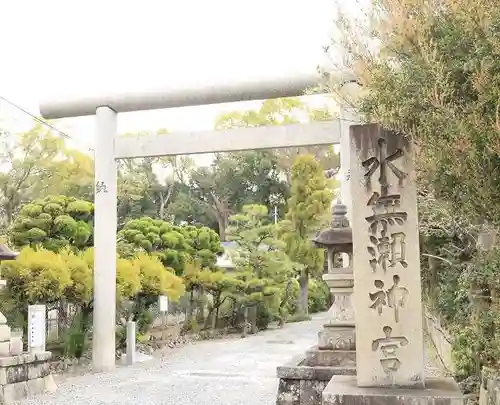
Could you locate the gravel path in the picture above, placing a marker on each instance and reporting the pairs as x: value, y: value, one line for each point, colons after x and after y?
x: 232, y: 372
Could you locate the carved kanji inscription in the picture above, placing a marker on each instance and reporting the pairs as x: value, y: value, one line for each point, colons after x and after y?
x: 397, y: 296
x: 388, y: 347
x: 383, y: 162
x: 387, y: 251
x: 394, y: 298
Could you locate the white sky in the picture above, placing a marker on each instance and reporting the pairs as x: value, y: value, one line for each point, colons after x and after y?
x: 57, y: 47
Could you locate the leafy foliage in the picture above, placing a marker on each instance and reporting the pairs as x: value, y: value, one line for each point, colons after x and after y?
x: 55, y: 222
x: 35, y: 164
x: 155, y: 279
x: 263, y: 268
x: 174, y: 245
x: 430, y: 71
x: 37, y: 276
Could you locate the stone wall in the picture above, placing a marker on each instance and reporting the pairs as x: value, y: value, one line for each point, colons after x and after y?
x: 24, y: 376
x: 439, y: 340
x: 489, y: 393
x: 300, y: 384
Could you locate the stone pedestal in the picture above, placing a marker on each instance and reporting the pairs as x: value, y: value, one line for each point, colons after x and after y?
x: 24, y: 376
x: 337, y: 336
x: 343, y: 390
x: 302, y: 383
x: 340, y: 332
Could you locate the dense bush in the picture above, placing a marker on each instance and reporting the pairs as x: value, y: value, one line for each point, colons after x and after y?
x: 174, y: 245
x: 319, y: 296
x: 54, y: 222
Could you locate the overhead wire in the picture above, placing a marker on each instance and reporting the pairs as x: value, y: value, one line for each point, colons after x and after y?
x: 40, y: 120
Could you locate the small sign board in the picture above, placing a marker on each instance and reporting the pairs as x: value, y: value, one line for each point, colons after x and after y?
x: 163, y: 301
x: 36, y: 328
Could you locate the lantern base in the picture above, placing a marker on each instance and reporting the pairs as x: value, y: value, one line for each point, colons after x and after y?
x: 337, y: 336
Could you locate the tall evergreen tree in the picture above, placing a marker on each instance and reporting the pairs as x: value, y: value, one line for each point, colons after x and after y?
x: 309, y: 202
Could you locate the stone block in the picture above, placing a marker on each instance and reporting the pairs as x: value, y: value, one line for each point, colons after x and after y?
x: 337, y: 336
x: 38, y: 370
x: 300, y: 392
x: 4, y: 333
x: 5, y: 349
x: 36, y: 386
x: 43, y: 356
x: 50, y: 384
x: 343, y: 390
x: 8, y: 361
x: 297, y: 369
x: 288, y: 392
x: 13, y: 392
x: 16, y: 346
x: 330, y: 358
x: 339, y: 280
x: 3, y: 375
x: 17, y: 373
x: 311, y: 392
x: 23, y: 358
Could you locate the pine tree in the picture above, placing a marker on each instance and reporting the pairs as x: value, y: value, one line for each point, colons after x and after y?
x: 309, y: 202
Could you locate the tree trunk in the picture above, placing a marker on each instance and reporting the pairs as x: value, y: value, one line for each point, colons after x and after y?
x: 222, y: 227
x: 220, y: 209
x: 217, y: 314
x: 303, y: 303
x: 200, y: 306
x: 245, y: 322
x: 190, y: 307
x: 253, y: 320
x: 210, y: 319
x: 9, y: 216
x: 214, y: 319
x: 164, y: 200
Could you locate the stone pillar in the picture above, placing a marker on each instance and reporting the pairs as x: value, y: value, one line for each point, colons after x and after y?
x: 388, y: 298
x: 387, y: 288
x: 130, y: 343
x: 103, y: 341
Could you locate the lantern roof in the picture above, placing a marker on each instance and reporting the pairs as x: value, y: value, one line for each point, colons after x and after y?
x: 6, y: 253
x: 338, y: 236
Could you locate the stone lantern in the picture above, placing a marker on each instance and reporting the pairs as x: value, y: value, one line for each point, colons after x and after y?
x: 5, y: 336
x: 339, y: 332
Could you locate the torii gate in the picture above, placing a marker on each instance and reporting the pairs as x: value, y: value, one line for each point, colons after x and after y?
x: 109, y: 148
